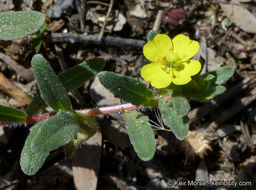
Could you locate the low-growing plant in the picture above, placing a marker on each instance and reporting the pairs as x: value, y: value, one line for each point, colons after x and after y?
x: 173, y: 74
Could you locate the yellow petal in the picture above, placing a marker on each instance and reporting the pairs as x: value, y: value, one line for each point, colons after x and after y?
x: 185, y: 47
x: 156, y: 75
x: 182, y: 77
x: 193, y: 67
x: 159, y: 47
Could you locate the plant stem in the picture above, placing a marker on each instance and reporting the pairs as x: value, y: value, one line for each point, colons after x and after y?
x: 108, y: 110
x: 92, y: 112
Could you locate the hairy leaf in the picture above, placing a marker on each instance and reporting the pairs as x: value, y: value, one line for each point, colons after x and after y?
x: 51, y: 89
x: 126, y: 88
x: 141, y: 135
x: 181, y: 105
x: 14, y: 25
x: 223, y: 74
x: 177, y: 123
x: 71, y: 79
x: 47, y: 136
x: 9, y: 114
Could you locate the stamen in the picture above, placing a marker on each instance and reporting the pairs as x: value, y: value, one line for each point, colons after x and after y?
x: 163, y: 67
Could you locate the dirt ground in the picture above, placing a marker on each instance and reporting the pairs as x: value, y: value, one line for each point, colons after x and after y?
x: 221, y: 144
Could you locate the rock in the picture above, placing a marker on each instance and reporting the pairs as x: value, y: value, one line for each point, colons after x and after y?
x: 138, y: 12
x: 101, y: 95
x: 214, y: 62
x: 6, y: 5
x: 58, y: 8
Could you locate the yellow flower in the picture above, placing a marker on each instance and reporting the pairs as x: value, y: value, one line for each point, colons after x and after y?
x: 171, y: 60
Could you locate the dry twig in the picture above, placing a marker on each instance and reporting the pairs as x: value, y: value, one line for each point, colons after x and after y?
x: 158, y: 20
x: 6, y: 86
x: 106, y: 20
x: 94, y: 40
x: 27, y: 74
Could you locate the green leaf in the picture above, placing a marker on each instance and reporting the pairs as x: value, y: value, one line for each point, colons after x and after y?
x: 87, y: 129
x: 201, y: 88
x: 47, y: 136
x: 181, y: 105
x: 77, y: 75
x: 51, y: 89
x: 14, y: 25
x: 36, y: 42
x: 207, y: 86
x: 141, y: 135
x: 206, y: 77
x: 178, y: 124
x: 151, y: 35
x: 71, y: 79
x: 126, y: 88
x: 36, y: 104
x: 223, y: 74
x: 9, y: 114
x: 42, y: 29
x: 202, y: 61
x: 37, y: 39
x: 213, y: 92
x: 31, y: 161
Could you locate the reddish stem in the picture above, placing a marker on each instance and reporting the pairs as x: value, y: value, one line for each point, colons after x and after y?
x: 92, y: 112
x: 108, y: 110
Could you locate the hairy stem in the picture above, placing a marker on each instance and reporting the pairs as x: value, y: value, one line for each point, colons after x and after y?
x: 92, y: 112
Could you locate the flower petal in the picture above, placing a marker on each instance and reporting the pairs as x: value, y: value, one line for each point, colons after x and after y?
x: 159, y: 47
x: 156, y: 75
x: 185, y: 47
x: 183, y: 74
x: 193, y: 67
x: 181, y: 78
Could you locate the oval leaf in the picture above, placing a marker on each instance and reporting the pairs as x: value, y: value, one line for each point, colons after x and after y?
x: 181, y: 105
x: 47, y: 136
x: 213, y: 92
x: 31, y: 161
x: 223, y: 74
x: 14, y: 25
x: 179, y: 125
x: 51, y: 89
x: 71, y: 79
x: 126, y: 88
x: 77, y: 75
x: 9, y: 114
x: 141, y: 135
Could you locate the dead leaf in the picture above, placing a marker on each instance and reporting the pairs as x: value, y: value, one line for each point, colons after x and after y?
x: 86, y: 163
x: 240, y: 16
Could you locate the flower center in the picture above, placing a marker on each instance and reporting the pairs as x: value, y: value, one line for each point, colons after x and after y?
x: 171, y: 62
